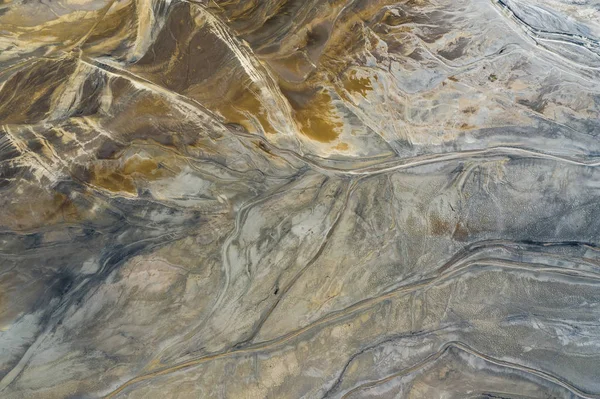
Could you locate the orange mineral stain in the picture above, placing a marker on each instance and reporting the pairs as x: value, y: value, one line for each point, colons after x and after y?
x: 317, y: 118
x: 355, y: 84
x: 245, y: 109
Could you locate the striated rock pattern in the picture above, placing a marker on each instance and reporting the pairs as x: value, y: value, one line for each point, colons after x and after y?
x: 299, y: 199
